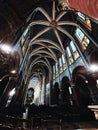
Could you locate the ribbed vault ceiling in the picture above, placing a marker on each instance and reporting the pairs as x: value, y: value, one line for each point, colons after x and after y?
x: 51, y: 32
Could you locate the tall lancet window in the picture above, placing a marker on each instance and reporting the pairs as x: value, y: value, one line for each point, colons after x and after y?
x: 85, y: 20
x: 54, y: 71
x: 56, y: 66
x: 81, y: 16
x: 60, y: 65
x: 79, y: 34
x: 64, y: 62
x: 82, y: 38
x: 74, y: 50
x: 69, y: 56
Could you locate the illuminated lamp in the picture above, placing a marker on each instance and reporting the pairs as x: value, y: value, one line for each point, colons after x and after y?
x: 93, y: 68
x: 12, y: 92
x: 13, y: 71
x: 97, y: 81
x: 86, y: 81
x: 6, y: 48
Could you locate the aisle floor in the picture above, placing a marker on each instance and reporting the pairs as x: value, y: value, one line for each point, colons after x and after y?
x: 89, y: 125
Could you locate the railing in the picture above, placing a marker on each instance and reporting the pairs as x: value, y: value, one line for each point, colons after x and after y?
x: 94, y: 108
x: 13, y: 123
x: 51, y: 122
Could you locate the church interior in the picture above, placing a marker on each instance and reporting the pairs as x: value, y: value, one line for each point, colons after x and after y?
x: 49, y: 65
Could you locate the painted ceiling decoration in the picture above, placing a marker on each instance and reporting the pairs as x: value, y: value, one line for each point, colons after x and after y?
x: 86, y: 7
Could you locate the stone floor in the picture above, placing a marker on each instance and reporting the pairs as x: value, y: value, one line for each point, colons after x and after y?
x: 89, y: 125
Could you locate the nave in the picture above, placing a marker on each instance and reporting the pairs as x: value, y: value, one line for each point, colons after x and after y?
x: 48, y: 65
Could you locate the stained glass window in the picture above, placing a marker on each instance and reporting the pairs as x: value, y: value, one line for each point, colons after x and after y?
x: 54, y: 72
x: 25, y: 32
x: 85, y: 43
x: 85, y: 20
x: 79, y: 34
x: 60, y: 65
x: 88, y: 23
x: 64, y: 62
x: 82, y: 38
x: 69, y: 56
x: 82, y: 16
x: 56, y: 66
x: 22, y: 41
x: 74, y: 50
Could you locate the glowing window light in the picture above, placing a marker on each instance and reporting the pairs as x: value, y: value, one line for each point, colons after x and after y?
x: 63, y: 59
x: 72, y: 46
x: 68, y: 52
x: 82, y: 16
x: 60, y: 62
x: 54, y: 69
x: 56, y: 66
x: 6, y: 48
x: 25, y: 32
x: 79, y: 34
x: 12, y: 92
